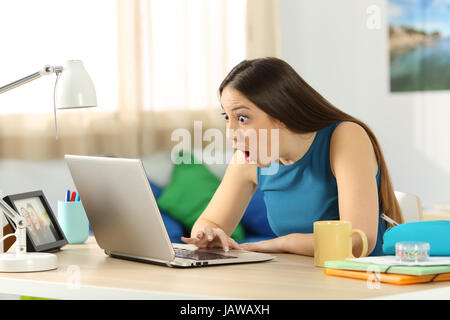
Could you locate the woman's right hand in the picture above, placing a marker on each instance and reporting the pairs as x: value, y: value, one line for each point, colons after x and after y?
x: 212, y: 238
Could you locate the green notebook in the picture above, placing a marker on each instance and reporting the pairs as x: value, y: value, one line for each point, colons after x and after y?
x: 383, y: 268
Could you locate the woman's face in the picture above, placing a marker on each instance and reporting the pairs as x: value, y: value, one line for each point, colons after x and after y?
x: 34, y: 218
x: 26, y: 215
x: 251, y: 130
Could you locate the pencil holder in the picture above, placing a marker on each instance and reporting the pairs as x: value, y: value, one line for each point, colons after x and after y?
x: 73, y: 221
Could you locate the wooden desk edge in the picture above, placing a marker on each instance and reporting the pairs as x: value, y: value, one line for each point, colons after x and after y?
x: 68, y: 290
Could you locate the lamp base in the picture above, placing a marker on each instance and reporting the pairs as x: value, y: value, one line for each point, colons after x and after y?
x: 28, y: 262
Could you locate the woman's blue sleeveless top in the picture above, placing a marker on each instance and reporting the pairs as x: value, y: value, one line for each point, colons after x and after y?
x: 298, y: 194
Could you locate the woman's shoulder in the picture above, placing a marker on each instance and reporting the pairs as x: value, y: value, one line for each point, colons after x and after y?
x: 348, y: 128
x: 350, y: 142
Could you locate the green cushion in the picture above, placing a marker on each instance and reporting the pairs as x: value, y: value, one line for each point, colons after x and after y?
x: 189, y: 192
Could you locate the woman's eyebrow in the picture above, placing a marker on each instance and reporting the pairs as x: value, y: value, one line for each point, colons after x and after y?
x: 238, y: 107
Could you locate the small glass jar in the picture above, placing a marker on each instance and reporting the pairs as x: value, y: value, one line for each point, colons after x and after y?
x: 410, y: 251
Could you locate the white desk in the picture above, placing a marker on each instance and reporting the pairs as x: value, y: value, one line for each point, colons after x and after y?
x: 85, y: 272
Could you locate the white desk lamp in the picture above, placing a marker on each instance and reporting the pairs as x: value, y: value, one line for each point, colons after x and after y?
x: 73, y: 89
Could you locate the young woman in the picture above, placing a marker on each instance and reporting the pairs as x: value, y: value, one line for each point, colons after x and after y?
x: 329, y: 165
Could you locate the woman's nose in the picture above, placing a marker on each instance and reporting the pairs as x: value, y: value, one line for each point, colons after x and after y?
x: 230, y: 132
x: 232, y: 125
x: 235, y: 134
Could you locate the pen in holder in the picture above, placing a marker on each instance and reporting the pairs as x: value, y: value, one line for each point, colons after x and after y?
x: 73, y: 221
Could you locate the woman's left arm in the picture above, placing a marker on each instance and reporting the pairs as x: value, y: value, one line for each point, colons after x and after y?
x: 354, y: 164
x: 298, y: 243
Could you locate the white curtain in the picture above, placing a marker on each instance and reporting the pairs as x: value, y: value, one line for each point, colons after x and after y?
x: 263, y: 31
x: 172, y: 56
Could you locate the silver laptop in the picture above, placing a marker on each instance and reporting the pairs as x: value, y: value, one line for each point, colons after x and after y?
x: 125, y: 217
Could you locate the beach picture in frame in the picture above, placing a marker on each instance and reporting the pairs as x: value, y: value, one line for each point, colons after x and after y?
x: 419, y: 45
x: 43, y: 231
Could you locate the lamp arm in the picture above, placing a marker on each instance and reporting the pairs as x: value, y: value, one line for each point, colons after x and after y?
x: 45, y: 71
x: 19, y: 221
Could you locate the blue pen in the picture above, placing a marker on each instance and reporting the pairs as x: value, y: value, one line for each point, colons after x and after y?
x: 77, y: 198
x: 67, y: 195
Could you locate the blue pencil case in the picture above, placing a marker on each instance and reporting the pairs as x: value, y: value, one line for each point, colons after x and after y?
x: 436, y: 233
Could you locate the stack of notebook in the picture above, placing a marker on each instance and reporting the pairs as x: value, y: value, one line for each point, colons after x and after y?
x: 386, y: 269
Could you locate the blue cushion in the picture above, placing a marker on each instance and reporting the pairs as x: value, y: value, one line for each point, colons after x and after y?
x: 157, y: 190
x: 255, y: 217
x: 436, y: 233
x: 173, y: 227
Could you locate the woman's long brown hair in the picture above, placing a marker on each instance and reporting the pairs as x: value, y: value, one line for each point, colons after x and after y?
x: 277, y: 89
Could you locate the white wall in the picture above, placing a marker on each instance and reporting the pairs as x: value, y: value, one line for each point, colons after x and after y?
x: 328, y: 43
x: 331, y: 47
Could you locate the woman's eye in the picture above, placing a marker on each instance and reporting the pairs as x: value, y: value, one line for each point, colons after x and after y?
x: 242, y: 118
x: 225, y: 115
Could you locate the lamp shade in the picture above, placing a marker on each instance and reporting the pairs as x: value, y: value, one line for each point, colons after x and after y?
x: 75, y: 88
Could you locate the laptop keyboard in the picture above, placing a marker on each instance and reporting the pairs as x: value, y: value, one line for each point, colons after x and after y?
x: 199, y: 255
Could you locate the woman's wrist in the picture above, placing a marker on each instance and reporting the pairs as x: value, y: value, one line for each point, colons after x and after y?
x: 298, y: 243
x: 200, y: 225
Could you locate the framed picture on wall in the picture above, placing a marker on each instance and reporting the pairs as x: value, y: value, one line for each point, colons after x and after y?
x: 419, y: 45
x: 43, y: 231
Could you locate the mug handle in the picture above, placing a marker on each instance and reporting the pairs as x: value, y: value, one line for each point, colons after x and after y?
x: 364, y: 242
